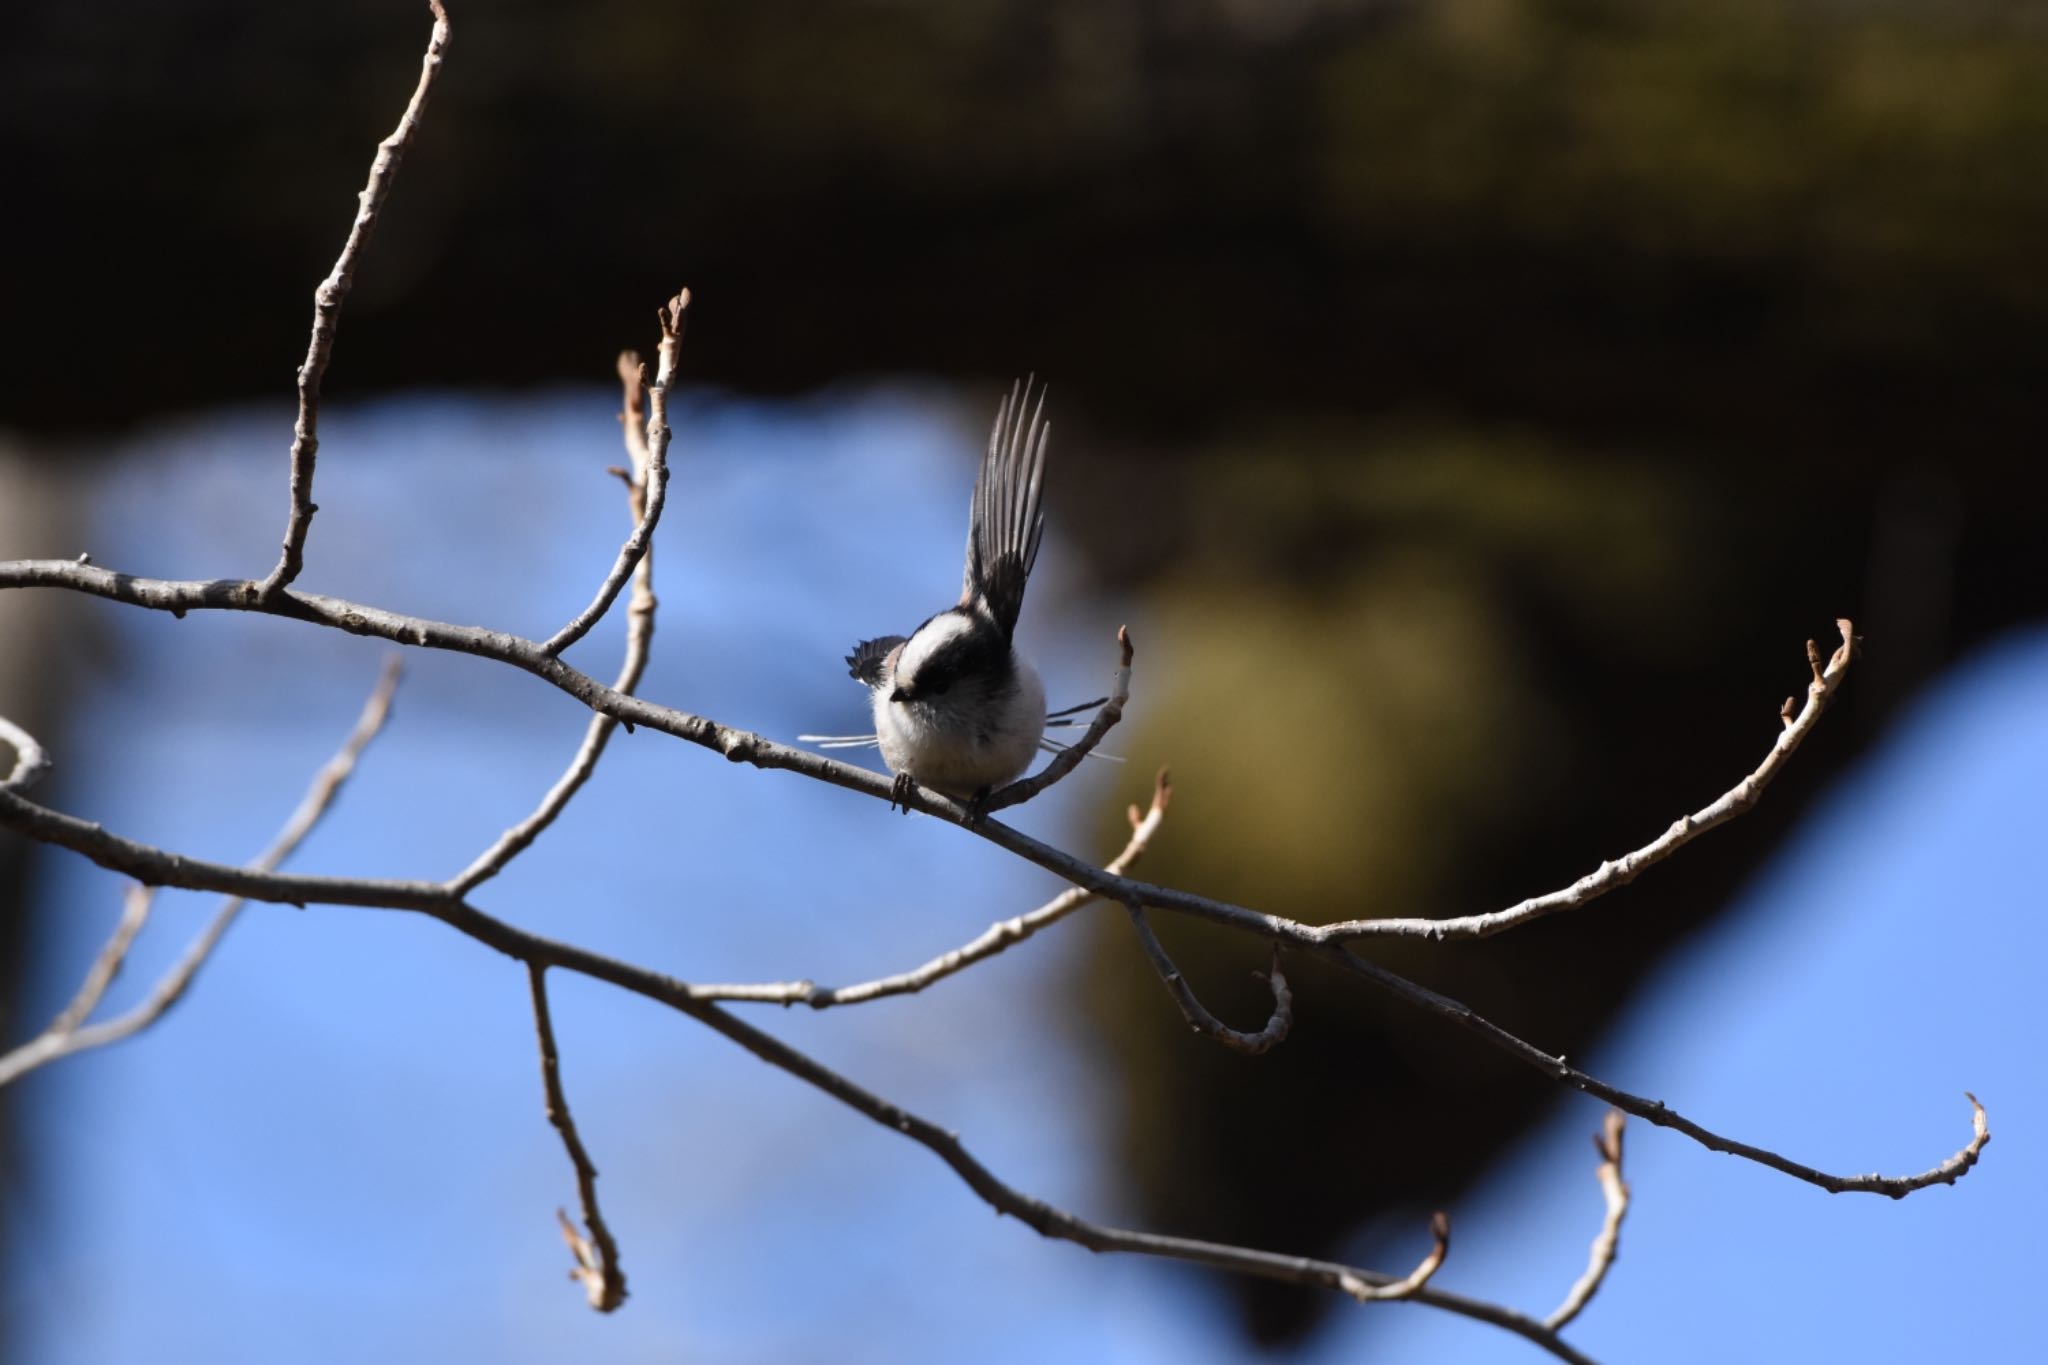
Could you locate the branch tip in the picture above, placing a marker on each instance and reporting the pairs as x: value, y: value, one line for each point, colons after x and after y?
x: 1440, y: 1237
x: 597, y: 1255
x: 1607, y: 1241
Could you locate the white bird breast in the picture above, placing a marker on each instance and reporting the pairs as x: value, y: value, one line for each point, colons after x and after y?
x: 931, y: 744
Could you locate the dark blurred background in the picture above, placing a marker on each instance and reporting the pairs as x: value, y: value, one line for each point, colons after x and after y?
x: 1485, y: 398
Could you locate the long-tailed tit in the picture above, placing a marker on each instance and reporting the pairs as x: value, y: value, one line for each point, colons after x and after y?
x: 956, y: 707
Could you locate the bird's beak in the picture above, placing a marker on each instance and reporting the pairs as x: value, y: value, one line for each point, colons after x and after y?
x: 899, y: 695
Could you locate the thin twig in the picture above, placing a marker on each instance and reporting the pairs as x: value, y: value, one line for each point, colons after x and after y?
x: 69, y: 1033
x: 1440, y: 1234
x: 640, y: 608
x: 30, y: 761
x: 597, y: 1256
x: 1069, y: 758
x: 1607, y: 1242
x: 1656, y: 1111
x: 327, y: 302
x: 1827, y: 680
x: 1199, y: 1019
x: 997, y: 937
x: 135, y: 907
x: 653, y: 477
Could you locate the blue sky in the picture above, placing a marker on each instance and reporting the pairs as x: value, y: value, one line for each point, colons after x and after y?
x: 334, y: 1149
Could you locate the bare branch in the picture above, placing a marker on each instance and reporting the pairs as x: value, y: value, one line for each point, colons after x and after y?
x: 1044, y: 1218
x: 652, y: 476
x: 1069, y: 758
x: 162, y: 868
x: 998, y: 936
x: 1199, y: 1019
x: 158, y: 865
x: 1607, y: 1241
x: 30, y: 762
x: 68, y: 1033
x: 597, y: 1256
x: 639, y: 636
x: 1827, y: 680
x: 327, y: 302
x: 154, y: 866
x: 740, y: 746
x: 1440, y: 1232
x: 538, y: 952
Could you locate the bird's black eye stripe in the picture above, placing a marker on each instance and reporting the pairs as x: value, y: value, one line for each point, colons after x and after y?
x: 976, y: 654
x: 939, y: 672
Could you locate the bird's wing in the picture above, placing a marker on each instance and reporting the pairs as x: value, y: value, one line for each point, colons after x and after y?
x: 1007, y: 519
x: 869, y: 662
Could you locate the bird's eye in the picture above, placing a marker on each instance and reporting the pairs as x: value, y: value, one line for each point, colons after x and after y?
x: 938, y: 689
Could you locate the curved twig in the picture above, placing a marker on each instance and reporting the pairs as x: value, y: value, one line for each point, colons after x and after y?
x: 1606, y: 1242
x: 1069, y: 758
x: 1440, y: 1234
x: 1198, y: 1017
x: 1827, y: 680
x: 31, y: 762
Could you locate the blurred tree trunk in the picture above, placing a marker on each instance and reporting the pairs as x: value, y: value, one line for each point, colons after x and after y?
x: 40, y: 513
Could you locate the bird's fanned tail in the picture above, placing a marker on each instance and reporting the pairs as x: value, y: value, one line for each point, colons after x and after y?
x: 1007, y: 517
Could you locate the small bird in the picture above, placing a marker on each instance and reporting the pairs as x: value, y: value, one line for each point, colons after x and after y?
x: 956, y: 707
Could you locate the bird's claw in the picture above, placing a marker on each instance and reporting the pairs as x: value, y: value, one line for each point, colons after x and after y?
x: 899, y: 792
x: 977, y: 808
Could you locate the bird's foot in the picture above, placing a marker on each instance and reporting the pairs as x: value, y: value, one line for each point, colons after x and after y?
x: 899, y: 792
x: 977, y: 808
